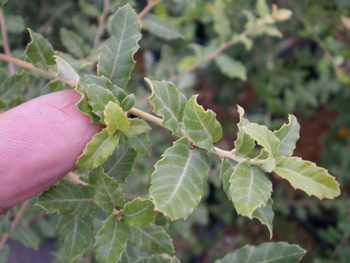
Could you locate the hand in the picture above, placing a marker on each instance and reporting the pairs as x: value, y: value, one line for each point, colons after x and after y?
x: 40, y: 141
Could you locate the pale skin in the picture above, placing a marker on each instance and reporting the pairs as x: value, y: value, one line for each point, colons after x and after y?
x: 40, y: 141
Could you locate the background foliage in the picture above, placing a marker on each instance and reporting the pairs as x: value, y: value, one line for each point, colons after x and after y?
x: 305, y: 73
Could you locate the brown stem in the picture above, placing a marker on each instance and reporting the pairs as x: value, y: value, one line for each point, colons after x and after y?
x: 148, y: 7
x: 6, y: 42
x: 101, y: 23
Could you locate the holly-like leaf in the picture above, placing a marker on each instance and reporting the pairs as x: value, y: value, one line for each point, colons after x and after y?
x: 137, y: 126
x: 221, y: 21
x: 108, y: 193
x: 74, y: 43
x: 265, y: 215
x: 267, y: 252
x: 13, y: 86
x: 97, y: 150
x: 68, y: 199
x: 244, y: 143
x: 150, y: 238
x: 140, y: 143
x: 161, y: 28
x: 250, y: 189
x: 40, y: 51
x: 65, y: 71
x: 288, y: 135
x: 308, y: 177
x: 201, y: 126
x: 226, y: 170
x: 178, y: 180
x: 114, y: 118
x: 231, y: 67
x: 75, y: 232
x: 169, y: 103
x: 111, y: 240
x: 128, y: 102
x: 139, y: 212
x: 116, y: 57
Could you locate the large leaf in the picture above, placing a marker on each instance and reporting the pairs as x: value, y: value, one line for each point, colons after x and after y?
x: 40, y: 51
x: 68, y: 199
x: 108, y: 193
x: 226, y: 170
x: 97, y: 150
x: 231, y: 67
x: 266, y: 252
x: 150, y: 238
x: 308, y: 177
x: 221, y: 22
x: 75, y: 232
x: 265, y: 215
x: 116, y: 58
x: 168, y: 103
x: 161, y: 28
x: 288, y: 135
x: 178, y: 181
x: 13, y: 86
x: 244, y: 143
x: 120, y: 164
x: 114, y: 118
x: 201, y: 126
x: 139, y: 212
x: 74, y: 43
x: 250, y: 189
x: 111, y: 240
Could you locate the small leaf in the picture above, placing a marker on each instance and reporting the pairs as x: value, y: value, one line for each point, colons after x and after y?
x: 250, y: 189
x: 178, y: 180
x: 119, y: 165
x: 140, y: 143
x: 244, y: 143
x: 116, y: 58
x: 201, y: 126
x: 137, y: 126
x: 89, y: 9
x: 267, y: 252
x: 262, y: 8
x: 114, y: 118
x: 40, y: 51
x: 221, y: 21
x: 150, y: 238
x: 108, y: 193
x: 139, y: 212
x: 288, y: 135
x: 168, y: 103
x: 15, y: 24
x: 97, y: 150
x: 226, y: 170
x: 272, y: 31
x: 52, y: 86
x: 231, y: 67
x: 128, y: 102
x: 13, y: 86
x: 308, y: 177
x: 74, y: 43
x: 65, y: 71
x: 68, y: 199
x: 75, y: 232
x: 111, y: 240
x: 248, y: 42
x: 265, y: 215
x: 161, y: 28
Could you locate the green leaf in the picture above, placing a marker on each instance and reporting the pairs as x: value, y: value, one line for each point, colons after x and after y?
x: 108, y: 193
x: 76, y: 64
x: 150, y: 238
x: 68, y: 199
x: 244, y: 143
x: 158, y: 259
x: 246, y: 41
x: 97, y: 150
x: 120, y: 164
x: 114, y: 118
x: 230, y: 67
x: 201, y: 126
x: 2, y: 2
x: 40, y: 51
x: 139, y: 212
x: 168, y: 103
x: 265, y: 215
x: 4, y: 251
x: 178, y: 180
x: 111, y: 240
x: 65, y: 71
x: 308, y: 177
x: 89, y: 9
x: 75, y: 232
x: 137, y: 126
x: 26, y: 236
x: 13, y: 86
x: 161, y: 28
x: 250, y: 189
x: 262, y: 8
x: 267, y: 252
x: 74, y: 43
x: 128, y: 102
x: 15, y: 24
x: 52, y: 86
x: 288, y: 135
x: 140, y: 143
x: 272, y: 31
x: 221, y: 21
x: 226, y: 170
x: 167, y: 65
x: 116, y: 58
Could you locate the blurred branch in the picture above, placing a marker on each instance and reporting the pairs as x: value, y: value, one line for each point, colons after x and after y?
x: 101, y: 23
x: 6, y: 42
x: 149, y: 6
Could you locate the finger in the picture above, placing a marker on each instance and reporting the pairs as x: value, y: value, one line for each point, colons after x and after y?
x: 40, y: 141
